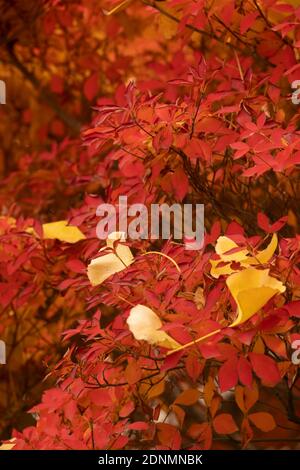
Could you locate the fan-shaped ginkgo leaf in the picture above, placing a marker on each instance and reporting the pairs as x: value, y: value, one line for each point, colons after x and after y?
x: 62, y: 231
x: 252, y: 289
x: 229, y: 252
x: 102, y: 267
x: 145, y: 325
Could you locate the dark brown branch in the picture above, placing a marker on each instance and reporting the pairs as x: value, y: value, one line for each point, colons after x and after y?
x: 189, y: 26
x: 270, y: 25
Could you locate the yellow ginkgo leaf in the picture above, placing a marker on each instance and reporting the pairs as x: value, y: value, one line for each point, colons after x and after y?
x: 145, y: 325
x: 264, y: 256
x: 62, y: 231
x: 219, y: 268
x: 222, y: 266
x: 224, y: 245
x: 102, y: 267
x: 252, y: 289
x: 8, y: 445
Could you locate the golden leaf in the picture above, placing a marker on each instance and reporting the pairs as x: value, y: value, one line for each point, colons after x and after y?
x: 224, y: 245
x: 264, y: 256
x: 62, y: 231
x: 252, y: 289
x: 145, y: 325
x: 59, y: 230
x: 8, y: 445
x: 103, y: 267
x: 241, y: 255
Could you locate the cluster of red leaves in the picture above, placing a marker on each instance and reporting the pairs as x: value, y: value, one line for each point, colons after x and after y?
x: 209, y: 119
x: 114, y: 392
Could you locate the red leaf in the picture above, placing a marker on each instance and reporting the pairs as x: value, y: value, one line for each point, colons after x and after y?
x: 180, y: 184
x: 293, y: 308
x: 244, y: 371
x: 292, y: 69
x: 163, y: 139
x: 66, y: 283
x: 228, y: 376
x: 100, y: 397
x: 127, y: 409
x: 76, y: 265
x: 171, y: 361
x: 241, y: 148
x: 194, y: 367
x: 264, y: 223
x: 247, y: 21
x: 265, y: 368
x: 119, y: 443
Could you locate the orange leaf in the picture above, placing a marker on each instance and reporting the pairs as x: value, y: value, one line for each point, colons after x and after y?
x: 133, y: 373
x: 209, y: 389
x: 224, y: 424
x: 156, y: 390
x: 188, y: 397
x: 246, y: 397
x: 263, y: 421
x: 215, y: 405
x: 180, y: 414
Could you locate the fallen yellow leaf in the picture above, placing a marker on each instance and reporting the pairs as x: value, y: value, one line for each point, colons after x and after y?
x: 59, y: 230
x: 145, y: 325
x: 224, y: 245
x: 264, y: 256
x: 62, y: 231
x: 241, y: 255
x: 252, y: 289
x: 102, y: 267
x: 8, y: 445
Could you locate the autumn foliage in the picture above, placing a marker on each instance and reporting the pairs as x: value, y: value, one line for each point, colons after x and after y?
x: 185, y: 101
